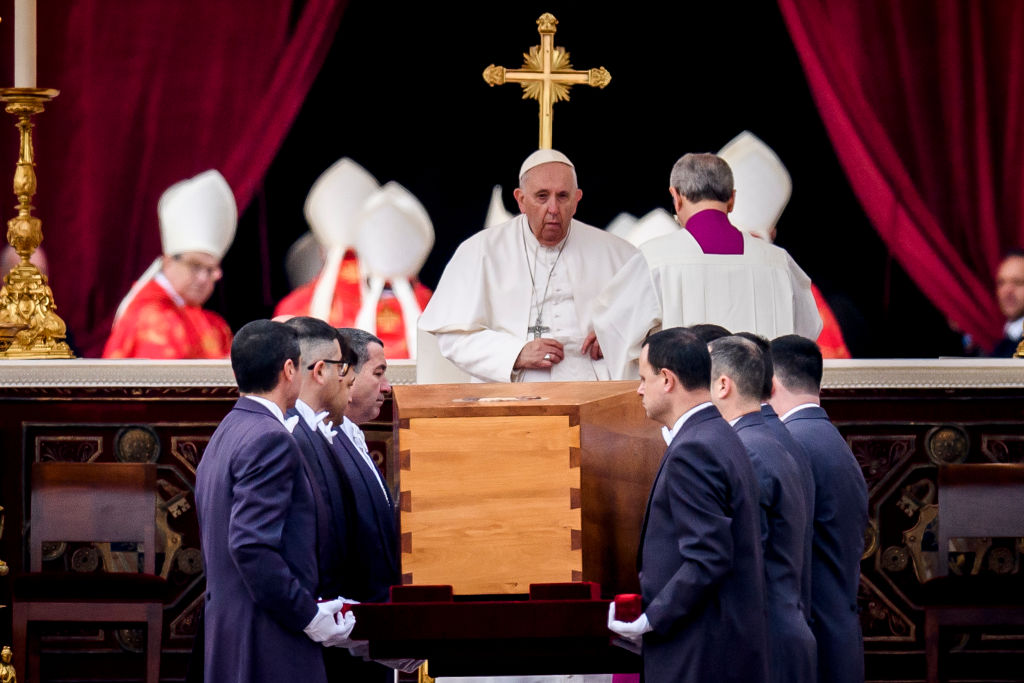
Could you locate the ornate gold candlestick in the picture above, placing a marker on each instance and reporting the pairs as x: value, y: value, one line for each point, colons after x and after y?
x: 29, y: 326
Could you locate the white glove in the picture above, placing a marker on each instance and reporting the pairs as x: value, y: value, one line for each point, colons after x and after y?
x: 633, y: 631
x: 326, y: 628
x: 406, y: 666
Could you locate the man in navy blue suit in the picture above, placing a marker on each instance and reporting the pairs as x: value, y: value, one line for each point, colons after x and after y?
x: 803, y: 461
x: 261, y: 522
x: 840, y: 509
x: 700, y: 562
x: 737, y: 379
x: 374, y: 530
x: 371, y: 557
x: 326, y: 385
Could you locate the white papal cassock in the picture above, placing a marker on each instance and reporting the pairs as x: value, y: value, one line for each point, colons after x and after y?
x: 485, y: 303
x: 673, y: 283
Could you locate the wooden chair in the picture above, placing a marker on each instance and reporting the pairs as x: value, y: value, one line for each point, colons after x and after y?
x: 90, y: 502
x: 975, y: 501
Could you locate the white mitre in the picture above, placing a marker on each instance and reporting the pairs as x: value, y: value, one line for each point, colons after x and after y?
x: 496, y: 211
x: 332, y: 207
x: 197, y: 214
x: 762, y: 184
x: 621, y: 225
x: 655, y: 224
x: 395, y: 236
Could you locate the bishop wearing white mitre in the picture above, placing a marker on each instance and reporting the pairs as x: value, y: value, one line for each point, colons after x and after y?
x: 515, y: 301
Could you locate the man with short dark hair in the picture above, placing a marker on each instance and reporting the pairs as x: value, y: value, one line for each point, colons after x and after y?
x: 737, y: 379
x: 371, y: 561
x: 840, y: 509
x: 700, y: 561
x: 371, y: 387
x: 372, y: 527
x: 803, y: 462
x: 709, y: 332
x: 707, y: 272
x: 326, y: 375
x: 260, y: 522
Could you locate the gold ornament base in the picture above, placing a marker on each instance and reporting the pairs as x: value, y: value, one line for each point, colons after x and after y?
x: 29, y: 324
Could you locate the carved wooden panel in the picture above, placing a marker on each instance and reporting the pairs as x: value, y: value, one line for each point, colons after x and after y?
x: 900, y: 439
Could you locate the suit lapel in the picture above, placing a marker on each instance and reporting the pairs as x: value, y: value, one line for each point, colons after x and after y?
x: 320, y: 505
x: 325, y: 476
x: 694, y: 419
x: 369, y: 487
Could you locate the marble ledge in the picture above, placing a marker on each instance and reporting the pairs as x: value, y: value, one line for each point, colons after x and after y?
x: 941, y: 373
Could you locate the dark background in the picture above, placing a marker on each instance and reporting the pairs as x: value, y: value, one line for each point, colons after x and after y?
x: 402, y: 93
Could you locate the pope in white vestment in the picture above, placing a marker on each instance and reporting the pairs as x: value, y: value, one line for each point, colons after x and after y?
x: 515, y: 302
x: 707, y: 272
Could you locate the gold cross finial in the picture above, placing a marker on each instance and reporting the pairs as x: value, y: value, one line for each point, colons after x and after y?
x: 546, y: 75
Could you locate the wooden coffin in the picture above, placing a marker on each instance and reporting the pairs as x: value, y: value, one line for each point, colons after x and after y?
x: 504, y: 485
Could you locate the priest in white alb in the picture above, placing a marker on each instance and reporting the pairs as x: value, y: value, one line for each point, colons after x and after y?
x: 516, y: 300
x: 706, y: 272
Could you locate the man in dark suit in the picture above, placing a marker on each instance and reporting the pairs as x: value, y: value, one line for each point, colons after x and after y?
x: 325, y: 381
x: 803, y: 462
x: 366, y: 564
x: 373, y: 526
x: 737, y: 378
x: 260, y: 523
x: 324, y: 388
x: 840, y: 509
x: 701, y: 570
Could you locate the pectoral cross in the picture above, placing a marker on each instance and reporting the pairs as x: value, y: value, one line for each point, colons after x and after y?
x: 546, y: 75
x: 537, y: 329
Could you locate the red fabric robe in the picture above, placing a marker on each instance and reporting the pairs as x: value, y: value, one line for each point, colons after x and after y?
x: 347, y: 301
x: 830, y: 341
x: 155, y: 326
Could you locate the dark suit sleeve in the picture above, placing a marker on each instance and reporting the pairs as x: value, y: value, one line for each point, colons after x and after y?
x: 264, y: 482
x: 769, y: 490
x: 698, y: 499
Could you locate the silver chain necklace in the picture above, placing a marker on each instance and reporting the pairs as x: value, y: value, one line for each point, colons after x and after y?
x: 537, y: 329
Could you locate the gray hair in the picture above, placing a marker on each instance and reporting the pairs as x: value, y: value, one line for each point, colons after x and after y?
x: 358, y: 340
x: 702, y: 176
x: 742, y: 361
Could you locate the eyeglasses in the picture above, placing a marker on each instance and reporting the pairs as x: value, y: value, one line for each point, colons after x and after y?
x: 342, y: 365
x: 197, y: 269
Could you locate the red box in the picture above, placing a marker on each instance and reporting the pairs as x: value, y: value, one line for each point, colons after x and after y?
x: 628, y: 607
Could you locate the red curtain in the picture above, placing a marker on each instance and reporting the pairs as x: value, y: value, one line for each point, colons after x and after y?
x: 153, y: 92
x: 924, y: 104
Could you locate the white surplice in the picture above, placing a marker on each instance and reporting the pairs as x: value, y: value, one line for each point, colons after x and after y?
x: 484, y: 304
x: 673, y: 283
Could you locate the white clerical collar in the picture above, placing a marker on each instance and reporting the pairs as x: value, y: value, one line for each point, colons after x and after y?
x: 162, y: 280
x: 669, y: 434
x: 1014, y: 329
x: 802, y: 406
x: 275, y: 410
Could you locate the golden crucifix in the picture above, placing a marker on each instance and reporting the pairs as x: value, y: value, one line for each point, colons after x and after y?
x: 546, y: 75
